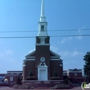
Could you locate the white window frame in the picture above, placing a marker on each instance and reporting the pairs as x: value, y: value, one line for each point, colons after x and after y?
x: 11, y: 78
x: 75, y: 74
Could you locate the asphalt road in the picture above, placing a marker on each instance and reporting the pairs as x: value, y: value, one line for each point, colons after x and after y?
x: 9, y: 88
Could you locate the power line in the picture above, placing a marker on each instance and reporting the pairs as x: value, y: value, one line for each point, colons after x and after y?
x: 48, y: 30
x: 50, y: 36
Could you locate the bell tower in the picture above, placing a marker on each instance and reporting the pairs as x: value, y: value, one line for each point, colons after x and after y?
x: 42, y: 40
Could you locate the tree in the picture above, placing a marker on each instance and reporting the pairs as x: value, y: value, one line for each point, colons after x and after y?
x: 65, y: 79
x: 54, y: 74
x: 30, y: 73
x: 19, y: 81
x: 87, y: 66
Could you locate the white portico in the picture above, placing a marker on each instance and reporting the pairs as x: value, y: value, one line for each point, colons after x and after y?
x: 42, y: 70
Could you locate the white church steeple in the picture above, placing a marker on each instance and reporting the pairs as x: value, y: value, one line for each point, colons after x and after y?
x: 42, y: 25
x: 42, y: 18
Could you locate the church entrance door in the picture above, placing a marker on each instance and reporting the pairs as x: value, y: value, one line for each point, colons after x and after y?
x: 42, y: 73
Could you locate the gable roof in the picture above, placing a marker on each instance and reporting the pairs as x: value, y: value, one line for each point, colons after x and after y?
x: 54, y: 55
x: 30, y: 55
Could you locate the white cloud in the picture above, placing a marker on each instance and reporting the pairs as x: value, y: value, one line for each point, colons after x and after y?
x: 6, y: 53
x: 63, y: 41
x: 77, y: 53
x: 66, y: 39
x: 9, y: 52
x: 67, y: 54
x: 79, y: 37
x: 71, y: 54
x: 53, y: 48
x: 79, y: 33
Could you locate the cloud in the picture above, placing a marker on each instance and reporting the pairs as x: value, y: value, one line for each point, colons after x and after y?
x: 6, y: 53
x: 79, y: 33
x: 65, y: 40
x: 8, y: 62
x: 53, y: 48
x: 67, y: 54
x: 9, y: 52
x: 77, y: 53
x: 71, y: 54
x: 79, y: 37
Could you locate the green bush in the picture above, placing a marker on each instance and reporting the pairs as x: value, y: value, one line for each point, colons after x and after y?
x: 31, y: 78
x: 55, y: 78
x: 54, y: 74
x: 30, y: 73
x: 18, y: 81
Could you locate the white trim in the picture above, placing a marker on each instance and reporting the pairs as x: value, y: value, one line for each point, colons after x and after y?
x: 75, y: 72
x: 74, y: 69
x: 29, y: 60
x: 11, y: 78
x: 42, y: 44
x: 14, y: 71
x: 61, y: 64
x: 54, y: 59
x: 42, y: 41
x: 42, y: 36
x: 43, y: 68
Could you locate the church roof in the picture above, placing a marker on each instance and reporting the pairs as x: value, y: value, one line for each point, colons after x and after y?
x: 52, y: 55
x: 30, y: 55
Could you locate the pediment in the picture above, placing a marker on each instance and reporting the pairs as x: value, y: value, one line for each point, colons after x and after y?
x: 75, y: 69
x: 30, y: 55
x: 53, y: 54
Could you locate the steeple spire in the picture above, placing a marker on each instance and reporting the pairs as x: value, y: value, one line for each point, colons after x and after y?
x: 42, y: 17
x: 42, y: 25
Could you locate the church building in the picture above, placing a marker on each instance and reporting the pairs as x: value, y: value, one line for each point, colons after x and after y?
x: 42, y: 62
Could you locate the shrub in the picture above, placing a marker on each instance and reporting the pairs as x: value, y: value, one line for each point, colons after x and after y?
x: 31, y: 87
x: 55, y: 78
x: 54, y: 74
x: 66, y: 81
x: 23, y: 87
x: 19, y: 81
x: 51, y: 88
x: 31, y: 78
x: 16, y: 86
x: 58, y: 86
x: 30, y: 73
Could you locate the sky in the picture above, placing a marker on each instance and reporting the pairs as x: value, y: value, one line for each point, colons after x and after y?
x: 24, y: 15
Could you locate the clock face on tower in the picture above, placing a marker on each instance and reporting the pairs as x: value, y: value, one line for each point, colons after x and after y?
x: 42, y: 59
